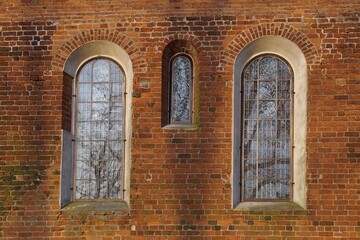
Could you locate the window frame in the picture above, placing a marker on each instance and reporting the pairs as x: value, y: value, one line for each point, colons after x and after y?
x: 291, y: 134
x: 75, y: 59
x: 292, y: 53
x: 74, y: 127
x: 191, y: 90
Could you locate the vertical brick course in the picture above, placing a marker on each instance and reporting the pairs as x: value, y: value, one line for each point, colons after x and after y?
x: 180, y: 178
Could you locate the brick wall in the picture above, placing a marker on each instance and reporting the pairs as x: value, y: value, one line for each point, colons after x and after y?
x: 180, y: 178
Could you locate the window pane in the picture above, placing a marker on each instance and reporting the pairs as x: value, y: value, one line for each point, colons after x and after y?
x: 100, y: 111
x: 114, y: 188
x: 251, y: 109
x: 266, y: 150
x: 250, y: 183
x: 266, y: 123
x: 83, y: 131
x: 84, y: 92
x: 283, y: 129
x: 116, y: 90
x: 267, y: 109
x: 82, y: 189
x: 98, y: 151
x: 115, y: 131
x: 100, y: 92
x: 267, y: 68
x: 99, y: 131
x: 283, y: 71
x: 250, y: 129
x: 283, y: 149
x: 85, y: 74
x: 267, y: 129
x: 101, y: 71
x: 267, y: 90
x: 283, y: 109
x: 84, y: 111
x: 181, y: 80
x: 115, y: 152
x: 83, y: 170
x: 83, y: 151
x: 99, y: 127
x: 283, y: 89
x: 250, y: 90
x: 250, y: 149
x: 252, y: 71
x: 115, y: 111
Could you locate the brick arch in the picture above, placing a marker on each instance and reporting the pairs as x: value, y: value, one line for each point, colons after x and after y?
x: 171, y: 46
x: 111, y: 35
x: 68, y: 58
x: 182, y: 36
x: 299, y: 52
x: 273, y: 29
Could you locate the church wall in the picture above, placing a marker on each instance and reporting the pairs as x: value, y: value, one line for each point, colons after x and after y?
x: 180, y: 179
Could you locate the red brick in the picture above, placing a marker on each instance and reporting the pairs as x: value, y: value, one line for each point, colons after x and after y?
x: 180, y: 187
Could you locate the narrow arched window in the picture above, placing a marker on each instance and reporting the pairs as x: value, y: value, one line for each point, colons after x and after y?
x: 180, y: 109
x: 266, y: 145
x: 99, y: 125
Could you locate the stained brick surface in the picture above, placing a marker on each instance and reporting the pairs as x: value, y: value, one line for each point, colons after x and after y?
x: 180, y: 178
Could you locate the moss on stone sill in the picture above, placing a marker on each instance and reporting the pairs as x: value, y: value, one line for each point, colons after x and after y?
x: 96, y: 206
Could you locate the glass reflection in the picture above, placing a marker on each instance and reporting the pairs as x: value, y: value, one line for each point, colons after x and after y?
x: 181, y: 88
x: 266, y: 121
x: 99, y: 131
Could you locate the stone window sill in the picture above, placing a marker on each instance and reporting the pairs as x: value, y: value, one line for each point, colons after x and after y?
x: 96, y: 206
x: 180, y: 126
x: 269, y: 206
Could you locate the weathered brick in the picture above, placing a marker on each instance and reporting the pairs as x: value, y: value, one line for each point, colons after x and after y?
x: 180, y: 177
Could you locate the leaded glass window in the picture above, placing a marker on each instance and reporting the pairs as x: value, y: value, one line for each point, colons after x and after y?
x: 266, y: 136
x: 181, y: 90
x: 98, y: 130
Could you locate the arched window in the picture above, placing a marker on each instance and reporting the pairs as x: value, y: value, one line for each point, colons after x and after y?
x: 96, y: 126
x: 180, y: 108
x: 98, y: 130
x: 270, y: 122
x: 179, y: 84
x: 266, y: 145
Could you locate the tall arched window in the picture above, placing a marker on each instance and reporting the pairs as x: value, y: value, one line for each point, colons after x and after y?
x: 180, y: 109
x: 98, y: 130
x: 266, y: 145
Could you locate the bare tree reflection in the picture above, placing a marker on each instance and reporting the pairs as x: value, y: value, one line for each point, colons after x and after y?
x: 99, y: 131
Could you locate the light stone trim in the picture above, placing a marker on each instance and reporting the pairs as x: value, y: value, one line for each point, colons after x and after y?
x: 294, y: 56
x: 106, y: 49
